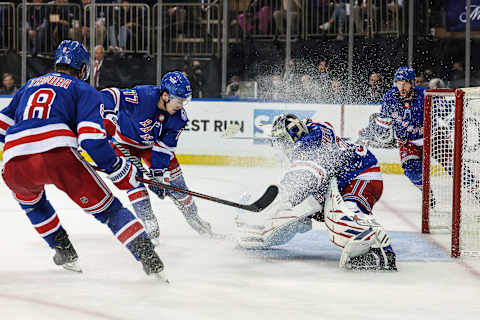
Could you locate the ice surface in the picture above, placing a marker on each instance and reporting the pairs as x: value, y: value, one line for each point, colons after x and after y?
x: 211, y: 279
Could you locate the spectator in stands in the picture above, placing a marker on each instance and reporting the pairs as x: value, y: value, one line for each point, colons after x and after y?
x: 420, y: 80
x: 120, y: 31
x: 8, y: 85
x: 82, y: 33
x: 307, y: 93
x: 280, y: 16
x: 376, y: 88
x: 233, y: 88
x: 359, y: 15
x: 197, y: 79
x: 60, y: 17
x: 436, y: 83
x: 316, y: 12
x: 291, y: 80
x: 37, y: 26
x: 456, y: 76
x: 337, y: 92
x: 276, y: 91
x: 338, y: 17
x: 257, y: 16
x: 428, y: 74
x: 174, y: 16
x: 99, y: 54
x: 321, y: 77
x: 394, y: 10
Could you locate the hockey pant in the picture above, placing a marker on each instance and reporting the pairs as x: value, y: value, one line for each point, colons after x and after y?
x: 65, y: 168
x: 411, y: 159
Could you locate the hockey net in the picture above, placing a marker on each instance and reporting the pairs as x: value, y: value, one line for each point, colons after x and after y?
x: 451, y: 167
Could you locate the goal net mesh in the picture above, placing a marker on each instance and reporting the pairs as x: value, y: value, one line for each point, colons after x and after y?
x: 454, y: 168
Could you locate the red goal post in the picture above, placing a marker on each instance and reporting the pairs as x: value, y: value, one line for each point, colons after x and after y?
x: 451, y: 167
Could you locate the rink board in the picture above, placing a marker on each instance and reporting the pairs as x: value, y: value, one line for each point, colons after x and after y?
x: 203, y: 142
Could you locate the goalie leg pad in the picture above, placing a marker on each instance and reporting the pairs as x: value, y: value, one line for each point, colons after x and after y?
x: 370, y: 250
x: 348, y: 222
x: 276, y: 225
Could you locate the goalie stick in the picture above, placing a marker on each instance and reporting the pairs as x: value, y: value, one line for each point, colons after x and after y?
x: 234, y: 128
x: 264, y: 201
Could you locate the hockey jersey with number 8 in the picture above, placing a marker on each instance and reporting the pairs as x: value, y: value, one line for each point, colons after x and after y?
x: 55, y: 110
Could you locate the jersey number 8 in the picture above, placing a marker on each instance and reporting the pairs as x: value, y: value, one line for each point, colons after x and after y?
x: 39, y: 104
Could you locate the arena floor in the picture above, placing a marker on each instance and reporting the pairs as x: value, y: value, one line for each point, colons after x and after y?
x: 211, y: 279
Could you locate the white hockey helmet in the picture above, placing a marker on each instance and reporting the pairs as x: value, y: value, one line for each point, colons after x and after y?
x: 286, y: 130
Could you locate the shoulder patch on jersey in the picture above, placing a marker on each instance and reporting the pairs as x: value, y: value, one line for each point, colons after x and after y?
x: 183, y: 114
x: 161, y: 117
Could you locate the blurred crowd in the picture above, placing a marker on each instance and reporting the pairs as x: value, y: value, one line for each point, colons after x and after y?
x: 315, y: 85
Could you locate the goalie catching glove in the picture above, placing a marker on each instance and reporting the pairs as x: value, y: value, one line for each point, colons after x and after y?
x: 377, y: 136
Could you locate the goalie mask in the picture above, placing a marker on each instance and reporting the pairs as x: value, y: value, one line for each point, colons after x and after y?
x: 286, y: 130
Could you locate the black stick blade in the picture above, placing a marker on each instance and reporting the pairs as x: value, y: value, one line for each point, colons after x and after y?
x: 264, y: 201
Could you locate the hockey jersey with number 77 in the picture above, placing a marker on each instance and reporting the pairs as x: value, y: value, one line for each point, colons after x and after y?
x: 141, y: 124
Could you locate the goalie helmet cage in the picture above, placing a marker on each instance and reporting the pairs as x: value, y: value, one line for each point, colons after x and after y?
x: 451, y: 167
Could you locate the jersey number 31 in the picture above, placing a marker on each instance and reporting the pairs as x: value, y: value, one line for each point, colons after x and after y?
x: 39, y: 104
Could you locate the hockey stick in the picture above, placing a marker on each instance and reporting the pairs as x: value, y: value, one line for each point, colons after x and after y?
x: 233, y: 129
x: 264, y: 201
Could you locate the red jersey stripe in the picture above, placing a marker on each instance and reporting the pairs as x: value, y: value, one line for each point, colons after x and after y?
x: 38, y: 137
x: 130, y: 231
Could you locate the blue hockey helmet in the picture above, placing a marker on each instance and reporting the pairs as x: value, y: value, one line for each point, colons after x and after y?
x: 176, y: 85
x: 404, y: 74
x: 287, y: 129
x: 73, y: 54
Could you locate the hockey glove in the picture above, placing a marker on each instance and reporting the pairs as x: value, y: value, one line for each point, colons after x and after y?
x: 110, y: 121
x: 162, y: 176
x: 124, y: 174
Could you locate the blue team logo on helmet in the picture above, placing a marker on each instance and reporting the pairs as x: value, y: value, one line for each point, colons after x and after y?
x: 176, y: 85
x: 404, y: 74
x: 73, y: 54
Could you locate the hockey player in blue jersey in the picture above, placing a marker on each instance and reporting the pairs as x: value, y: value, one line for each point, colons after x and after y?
x: 401, y: 117
x: 148, y: 121
x: 42, y: 127
x: 329, y: 180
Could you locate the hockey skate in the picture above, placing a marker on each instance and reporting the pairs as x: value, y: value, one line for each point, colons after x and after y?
x: 143, y: 210
x: 151, y: 262
x: 65, y: 254
x: 373, y: 260
x: 153, y: 230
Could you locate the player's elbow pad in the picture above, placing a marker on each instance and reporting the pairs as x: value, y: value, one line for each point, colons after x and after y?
x: 100, y: 152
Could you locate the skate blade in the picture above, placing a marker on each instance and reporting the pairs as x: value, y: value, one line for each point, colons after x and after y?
x: 72, y: 266
x: 155, y: 241
x: 160, y: 276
